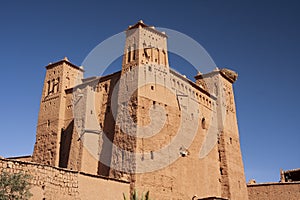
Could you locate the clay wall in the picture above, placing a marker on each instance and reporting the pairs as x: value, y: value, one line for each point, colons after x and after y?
x: 184, y: 107
x: 56, y: 183
x: 274, y: 191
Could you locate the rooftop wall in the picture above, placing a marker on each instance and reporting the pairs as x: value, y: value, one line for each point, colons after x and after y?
x: 274, y: 191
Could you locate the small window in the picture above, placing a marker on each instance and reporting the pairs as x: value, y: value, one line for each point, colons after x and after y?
x: 203, y: 123
x: 129, y: 55
x: 48, y: 88
x: 151, y: 155
x: 152, y: 87
x: 105, y: 87
x: 123, y: 157
x: 134, y: 48
x: 48, y: 123
x: 57, y: 83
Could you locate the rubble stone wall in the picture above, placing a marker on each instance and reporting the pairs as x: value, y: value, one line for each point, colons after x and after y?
x: 56, y: 183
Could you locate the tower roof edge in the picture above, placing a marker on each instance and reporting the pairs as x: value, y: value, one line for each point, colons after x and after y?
x: 140, y: 23
x: 50, y: 65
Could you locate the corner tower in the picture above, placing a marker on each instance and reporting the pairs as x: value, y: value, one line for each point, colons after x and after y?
x: 232, y: 177
x: 59, y: 77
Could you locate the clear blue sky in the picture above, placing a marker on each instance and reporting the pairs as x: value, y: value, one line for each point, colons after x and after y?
x: 258, y: 39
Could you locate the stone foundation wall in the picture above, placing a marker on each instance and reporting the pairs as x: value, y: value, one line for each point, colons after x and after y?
x: 274, y: 191
x: 57, y: 183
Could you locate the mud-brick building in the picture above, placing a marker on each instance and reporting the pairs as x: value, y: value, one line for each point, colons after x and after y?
x: 145, y: 128
x: 147, y: 124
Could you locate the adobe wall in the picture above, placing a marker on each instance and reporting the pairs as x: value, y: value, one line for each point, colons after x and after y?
x: 93, y: 187
x: 27, y: 158
x: 187, y: 176
x: 56, y: 183
x: 274, y: 191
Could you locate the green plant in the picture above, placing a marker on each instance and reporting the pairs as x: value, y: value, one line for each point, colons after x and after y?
x: 134, y: 196
x: 14, y: 186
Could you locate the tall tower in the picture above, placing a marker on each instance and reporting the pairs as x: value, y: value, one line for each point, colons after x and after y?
x: 232, y: 180
x: 145, y: 54
x: 232, y: 169
x: 59, y: 77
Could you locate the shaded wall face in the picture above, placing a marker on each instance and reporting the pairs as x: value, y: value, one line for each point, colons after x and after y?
x: 89, y: 127
x: 65, y: 145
